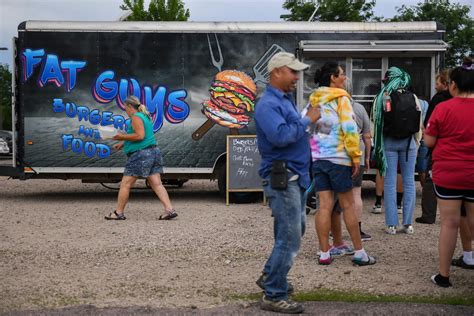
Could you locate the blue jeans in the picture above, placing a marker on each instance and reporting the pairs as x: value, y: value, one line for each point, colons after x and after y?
x: 396, y: 152
x: 289, y: 216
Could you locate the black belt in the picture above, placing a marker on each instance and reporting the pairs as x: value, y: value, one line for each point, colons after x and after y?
x: 148, y: 147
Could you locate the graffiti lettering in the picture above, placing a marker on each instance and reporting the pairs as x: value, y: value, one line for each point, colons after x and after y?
x: 158, y: 101
x: 53, y: 71
x: 95, y: 117
x: 90, y: 149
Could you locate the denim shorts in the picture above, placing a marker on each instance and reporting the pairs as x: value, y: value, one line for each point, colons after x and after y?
x: 144, y: 163
x: 422, y: 158
x: 329, y: 176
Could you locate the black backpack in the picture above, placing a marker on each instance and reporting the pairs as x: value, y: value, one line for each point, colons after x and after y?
x: 403, y: 120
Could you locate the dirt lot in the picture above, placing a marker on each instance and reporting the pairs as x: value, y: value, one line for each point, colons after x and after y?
x: 57, y: 250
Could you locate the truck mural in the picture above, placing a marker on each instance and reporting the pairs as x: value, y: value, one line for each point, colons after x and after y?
x: 200, y: 81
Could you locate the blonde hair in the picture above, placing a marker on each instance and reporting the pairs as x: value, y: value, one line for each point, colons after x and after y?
x: 443, y: 75
x: 135, y: 103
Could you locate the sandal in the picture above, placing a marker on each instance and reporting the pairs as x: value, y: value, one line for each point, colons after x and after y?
x: 359, y: 262
x: 117, y: 217
x: 168, y: 216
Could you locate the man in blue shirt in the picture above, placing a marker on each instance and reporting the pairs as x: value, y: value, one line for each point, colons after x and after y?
x: 284, y: 146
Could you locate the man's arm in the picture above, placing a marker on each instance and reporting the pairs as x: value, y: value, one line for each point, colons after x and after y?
x: 278, y: 131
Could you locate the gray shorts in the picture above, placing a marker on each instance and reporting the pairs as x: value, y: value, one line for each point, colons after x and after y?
x: 144, y: 163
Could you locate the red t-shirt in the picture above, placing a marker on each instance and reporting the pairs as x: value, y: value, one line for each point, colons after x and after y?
x: 452, y: 122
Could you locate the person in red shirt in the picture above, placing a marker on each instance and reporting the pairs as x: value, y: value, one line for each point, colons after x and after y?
x: 451, y: 135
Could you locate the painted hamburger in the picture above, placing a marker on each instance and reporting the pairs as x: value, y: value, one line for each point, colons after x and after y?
x: 232, y: 99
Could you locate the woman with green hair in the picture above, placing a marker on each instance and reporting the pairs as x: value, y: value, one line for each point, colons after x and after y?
x: 392, y: 149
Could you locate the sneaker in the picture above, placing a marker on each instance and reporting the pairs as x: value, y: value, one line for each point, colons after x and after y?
x: 341, y: 250
x: 440, y: 280
x: 261, y: 284
x: 423, y: 220
x: 459, y: 262
x: 325, y: 262
x: 399, y: 209
x: 282, y: 306
x: 377, y: 209
x: 365, y: 236
x: 407, y: 229
x: 391, y: 230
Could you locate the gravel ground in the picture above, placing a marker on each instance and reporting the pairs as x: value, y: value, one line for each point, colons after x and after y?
x: 56, y: 250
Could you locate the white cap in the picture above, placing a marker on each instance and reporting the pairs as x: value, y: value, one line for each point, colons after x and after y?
x: 286, y: 59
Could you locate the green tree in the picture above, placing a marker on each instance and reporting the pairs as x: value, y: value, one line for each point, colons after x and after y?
x: 5, y: 97
x: 330, y: 10
x: 454, y: 16
x: 158, y: 10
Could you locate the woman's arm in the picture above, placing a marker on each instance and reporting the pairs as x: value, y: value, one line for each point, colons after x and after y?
x: 430, y: 141
x: 139, y: 131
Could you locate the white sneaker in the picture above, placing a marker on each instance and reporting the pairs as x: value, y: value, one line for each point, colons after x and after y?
x: 407, y: 229
x: 399, y: 210
x: 391, y: 230
x: 377, y: 209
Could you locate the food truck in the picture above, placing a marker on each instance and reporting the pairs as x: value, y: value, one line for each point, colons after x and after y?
x: 199, y: 80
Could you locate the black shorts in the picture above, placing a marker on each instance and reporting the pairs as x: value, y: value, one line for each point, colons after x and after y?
x: 454, y: 194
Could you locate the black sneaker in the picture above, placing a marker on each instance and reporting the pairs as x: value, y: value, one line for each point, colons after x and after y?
x: 282, y: 306
x: 422, y: 220
x: 261, y: 284
x: 440, y: 280
x: 365, y: 237
x: 459, y: 262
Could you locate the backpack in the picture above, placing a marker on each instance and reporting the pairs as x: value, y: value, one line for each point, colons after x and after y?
x: 401, y: 115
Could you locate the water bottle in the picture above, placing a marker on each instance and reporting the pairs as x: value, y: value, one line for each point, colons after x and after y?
x: 387, y: 102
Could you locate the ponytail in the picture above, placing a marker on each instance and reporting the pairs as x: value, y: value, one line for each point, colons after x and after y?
x: 135, y: 103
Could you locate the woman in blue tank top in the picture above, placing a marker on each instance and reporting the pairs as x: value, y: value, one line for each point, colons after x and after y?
x: 144, y: 159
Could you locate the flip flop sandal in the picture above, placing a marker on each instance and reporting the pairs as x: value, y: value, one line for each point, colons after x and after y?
x: 360, y: 262
x: 118, y: 217
x: 168, y: 216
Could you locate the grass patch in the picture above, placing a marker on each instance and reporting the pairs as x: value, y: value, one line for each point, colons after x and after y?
x: 354, y: 297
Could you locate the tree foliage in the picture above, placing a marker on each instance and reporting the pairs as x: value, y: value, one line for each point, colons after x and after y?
x: 454, y: 16
x: 158, y: 10
x: 331, y: 10
x: 5, y: 97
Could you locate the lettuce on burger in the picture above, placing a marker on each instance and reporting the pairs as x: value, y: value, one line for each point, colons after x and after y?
x: 232, y: 99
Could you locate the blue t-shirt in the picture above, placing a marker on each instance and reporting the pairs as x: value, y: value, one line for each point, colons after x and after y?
x: 281, y: 134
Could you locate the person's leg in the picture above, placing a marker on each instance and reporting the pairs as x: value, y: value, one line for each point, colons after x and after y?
x: 450, y: 217
x: 407, y: 165
x: 336, y: 228
x: 429, y: 203
x: 323, y: 219
x: 346, y: 199
x: 390, y: 180
x: 399, y: 191
x: 124, y: 192
x: 357, y: 193
x: 422, y: 177
x: 286, y: 209
x: 155, y: 182
x: 377, y: 208
x: 470, y: 216
x: 465, y: 234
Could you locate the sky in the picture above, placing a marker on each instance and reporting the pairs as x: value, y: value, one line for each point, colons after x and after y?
x: 13, y: 12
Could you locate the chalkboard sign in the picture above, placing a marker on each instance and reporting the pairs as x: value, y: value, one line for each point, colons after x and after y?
x: 243, y: 162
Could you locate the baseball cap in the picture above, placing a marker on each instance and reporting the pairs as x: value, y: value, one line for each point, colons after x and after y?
x: 286, y: 59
